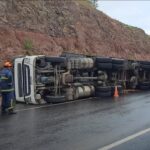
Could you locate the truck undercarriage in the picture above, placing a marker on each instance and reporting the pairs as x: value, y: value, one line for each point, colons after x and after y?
x: 43, y: 79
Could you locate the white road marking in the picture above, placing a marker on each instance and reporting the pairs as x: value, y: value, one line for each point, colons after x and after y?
x: 117, y: 143
x: 51, y: 105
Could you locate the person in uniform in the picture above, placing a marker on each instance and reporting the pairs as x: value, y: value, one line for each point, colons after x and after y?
x: 7, y: 89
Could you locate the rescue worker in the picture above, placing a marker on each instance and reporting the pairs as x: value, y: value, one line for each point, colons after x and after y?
x: 7, y: 89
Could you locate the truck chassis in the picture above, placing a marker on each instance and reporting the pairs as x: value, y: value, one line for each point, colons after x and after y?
x: 42, y: 79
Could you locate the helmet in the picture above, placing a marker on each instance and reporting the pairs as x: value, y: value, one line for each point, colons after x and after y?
x: 7, y: 64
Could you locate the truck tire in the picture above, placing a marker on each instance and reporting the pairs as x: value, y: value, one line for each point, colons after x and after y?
x: 103, y: 94
x: 144, y: 62
x: 118, y: 61
x: 102, y: 60
x: 55, y: 99
x: 55, y: 59
x: 104, y: 66
x: 103, y: 89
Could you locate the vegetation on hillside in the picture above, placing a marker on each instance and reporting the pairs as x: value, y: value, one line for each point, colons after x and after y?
x: 94, y: 3
x: 28, y: 45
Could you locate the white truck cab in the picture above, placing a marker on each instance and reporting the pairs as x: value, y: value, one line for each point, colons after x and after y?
x: 24, y: 78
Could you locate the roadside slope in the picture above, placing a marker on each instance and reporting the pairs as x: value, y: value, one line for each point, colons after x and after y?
x: 51, y: 27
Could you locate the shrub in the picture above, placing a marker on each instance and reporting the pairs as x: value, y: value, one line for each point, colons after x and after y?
x: 28, y: 44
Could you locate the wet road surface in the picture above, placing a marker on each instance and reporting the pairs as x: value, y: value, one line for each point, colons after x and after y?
x: 139, y: 143
x: 81, y: 125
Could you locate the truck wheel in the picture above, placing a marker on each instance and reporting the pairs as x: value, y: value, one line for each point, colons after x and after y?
x: 144, y: 62
x: 55, y: 59
x: 118, y: 61
x: 103, y: 94
x: 103, y: 60
x: 55, y: 99
x: 103, y: 89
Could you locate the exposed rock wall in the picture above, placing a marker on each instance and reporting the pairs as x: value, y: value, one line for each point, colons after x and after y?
x: 54, y: 26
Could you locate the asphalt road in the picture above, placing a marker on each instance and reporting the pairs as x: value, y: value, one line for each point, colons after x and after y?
x: 82, y: 125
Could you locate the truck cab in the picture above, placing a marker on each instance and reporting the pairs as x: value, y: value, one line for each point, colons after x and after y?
x: 24, y: 79
x: 42, y: 79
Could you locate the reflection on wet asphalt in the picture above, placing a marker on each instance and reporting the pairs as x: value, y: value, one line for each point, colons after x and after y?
x: 82, y: 125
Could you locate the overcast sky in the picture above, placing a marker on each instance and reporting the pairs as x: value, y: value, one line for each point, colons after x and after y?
x: 135, y: 13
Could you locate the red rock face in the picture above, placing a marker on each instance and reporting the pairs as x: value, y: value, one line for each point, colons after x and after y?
x: 74, y: 26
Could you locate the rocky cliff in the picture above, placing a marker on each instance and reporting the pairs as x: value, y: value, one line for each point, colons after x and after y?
x: 53, y: 26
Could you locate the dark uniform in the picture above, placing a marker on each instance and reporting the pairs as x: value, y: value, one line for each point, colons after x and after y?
x: 7, y: 90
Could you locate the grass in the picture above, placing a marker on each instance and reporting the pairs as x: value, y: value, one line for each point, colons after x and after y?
x: 28, y: 44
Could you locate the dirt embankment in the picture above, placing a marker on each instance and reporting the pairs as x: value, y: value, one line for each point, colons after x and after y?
x: 51, y: 27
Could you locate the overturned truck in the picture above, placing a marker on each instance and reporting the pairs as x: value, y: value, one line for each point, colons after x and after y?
x: 42, y: 79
